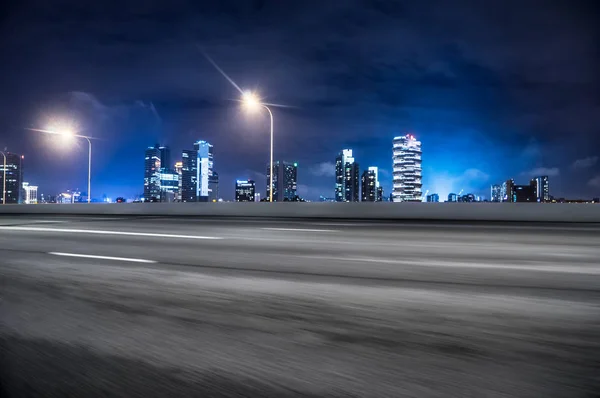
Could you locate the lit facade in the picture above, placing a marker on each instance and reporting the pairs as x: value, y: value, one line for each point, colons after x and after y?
x: 213, y: 187
x: 369, y: 185
x: 198, y: 181
x: 188, y: 176
x: 542, y: 188
x: 507, y: 190
x: 204, y: 170
x: 169, y: 185
x: 179, y: 172
x: 496, y: 193
x: 523, y: 193
x: 346, y: 177
x: 245, y: 191
x: 433, y: 198
x: 156, y: 160
x: 407, y: 166
x: 285, y: 181
x: 69, y: 197
x: 14, y: 178
x: 30, y: 196
x: 379, y: 194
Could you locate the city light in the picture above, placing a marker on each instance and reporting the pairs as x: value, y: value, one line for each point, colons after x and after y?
x: 68, y: 131
x: 251, y: 102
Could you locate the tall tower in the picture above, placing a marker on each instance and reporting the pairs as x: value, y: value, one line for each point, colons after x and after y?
x: 156, y: 165
x: 346, y: 177
x: 189, y: 168
x: 496, y: 193
x: 213, y: 187
x: 152, y: 165
x: 178, y: 171
x: 370, y: 185
x: 204, y: 169
x: 285, y: 181
x: 407, y: 169
x: 14, y: 178
x: 542, y: 188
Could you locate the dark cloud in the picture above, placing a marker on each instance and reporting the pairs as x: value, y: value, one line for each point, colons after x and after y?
x: 542, y: 171
x: 585, y: 162
x: 499, y: 88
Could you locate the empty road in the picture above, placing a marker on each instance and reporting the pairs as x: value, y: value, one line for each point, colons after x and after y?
x: 207, y: 307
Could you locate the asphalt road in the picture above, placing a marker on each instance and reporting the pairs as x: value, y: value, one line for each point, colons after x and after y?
x: 180, y: 307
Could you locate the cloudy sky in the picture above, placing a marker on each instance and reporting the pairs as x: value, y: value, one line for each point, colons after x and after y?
x: 493, y: 89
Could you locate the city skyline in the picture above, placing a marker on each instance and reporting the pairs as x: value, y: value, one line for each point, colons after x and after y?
x: 485, y: 114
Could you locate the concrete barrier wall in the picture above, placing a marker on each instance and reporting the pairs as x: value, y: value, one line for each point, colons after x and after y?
x: 531, y: 212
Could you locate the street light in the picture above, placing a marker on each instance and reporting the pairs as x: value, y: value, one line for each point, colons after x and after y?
x: 68, y: 134
x: 252, y: 103
x: 4, y: 180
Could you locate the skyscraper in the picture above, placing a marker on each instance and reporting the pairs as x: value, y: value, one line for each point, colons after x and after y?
x: 152, y: 173
x: 30, y: 194
x: 204, y: 170
x: 379, y: 194
x: 213, y: 187
x: 542, y: 188
x: 285, y: 183
x: 179, y: 172
x: 346, y: 177
x: 189, y: 176
x: 369, y: 185
x: 245, y: 191
x: 14, y: 178
x: 508, y: 190
x: 169, y: 185
x: 407, y: 169
x: 156, y: 162
x: 496, y: 193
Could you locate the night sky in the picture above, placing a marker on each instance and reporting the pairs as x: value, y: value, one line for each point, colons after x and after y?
x: 493, y: 89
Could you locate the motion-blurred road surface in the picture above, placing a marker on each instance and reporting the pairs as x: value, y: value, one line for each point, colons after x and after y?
x: 180, y: 307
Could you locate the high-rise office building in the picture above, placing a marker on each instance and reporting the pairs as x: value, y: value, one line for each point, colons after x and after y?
x: 496, y: 193
x: 30, y: 194
x: 379, y: 194
x: 452, y: 197
x: 179, y: 172
x: 369, y: 185
x: 523, y: 193
x: 213, y: 187
x: 169, y: 185
x: 245, y: 191
x: 156, y: 160
x: 204, y: 170
x: 285, y: 181
x: 346, y: 177
x: 14, y: 178
x: 407, y: 169
x: 189, y: 176
x: 199, y: 182
x: 542, y: 188
x: 433, y: 198
x: 507, y: 190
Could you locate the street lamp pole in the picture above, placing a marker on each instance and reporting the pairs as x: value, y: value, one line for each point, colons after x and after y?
x: 4, y: 180
x: 70, y: 134
x: 271, y: 164
x: 89, y: 189
x: 252, y: 103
